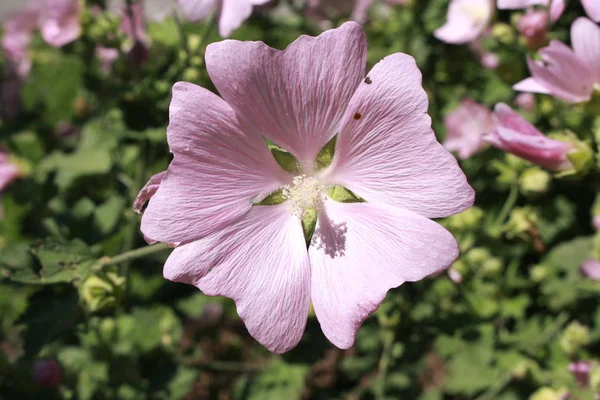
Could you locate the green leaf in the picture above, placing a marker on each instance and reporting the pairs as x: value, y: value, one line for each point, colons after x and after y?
x: 278, y: 381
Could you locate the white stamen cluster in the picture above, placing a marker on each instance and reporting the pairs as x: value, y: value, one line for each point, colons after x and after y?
x: 304, y: 193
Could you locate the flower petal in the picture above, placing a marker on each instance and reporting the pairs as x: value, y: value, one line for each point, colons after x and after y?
x: 233, y: 14
x: 557, y: 7
x: 531, y: 85
x: 387, y: 152
x: 466, y: 20
x: 148, y: 191
x: 517, y: 4
x: 217, y: 170
x: 360, y: 251
x: 585, y: 37
x: 592, y: 9
x: 59, y: 21
x: 197, y: 10
x: 261, y: 262
x: 294, y: 97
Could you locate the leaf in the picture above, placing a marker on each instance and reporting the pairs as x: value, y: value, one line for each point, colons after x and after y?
x: 278, y: 381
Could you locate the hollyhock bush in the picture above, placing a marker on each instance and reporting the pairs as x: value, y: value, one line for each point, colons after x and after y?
x: 288, y: 213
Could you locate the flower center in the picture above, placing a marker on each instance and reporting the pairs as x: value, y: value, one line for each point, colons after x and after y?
x: 303, y: 194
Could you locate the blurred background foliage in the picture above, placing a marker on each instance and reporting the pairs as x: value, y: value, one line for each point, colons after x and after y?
x: 89, y: 140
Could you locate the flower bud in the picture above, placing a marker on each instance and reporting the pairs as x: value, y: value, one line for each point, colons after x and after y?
x: 533, y: 27
x: 504, y: 33
x: 526, y: 101
x: 546, y: 393
x: 47, y: 374
x: 574, y: 338
x: 581, y: 372
x: 535, y: 181
x: 100, y: 292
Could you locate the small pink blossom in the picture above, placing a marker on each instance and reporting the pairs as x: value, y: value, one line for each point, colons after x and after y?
x: 596, y: 222
x: 466, y: 21
x: 454, y: 275
x: 300, y: 98
x: 581, y: 372
x: 526, y: 101
x: 466, y: 126
x: 557, y: 7
x: 592, y: 8
x: 565, y: 73
x: 59, y: 21
x: 47, y: 374
x: 8, y: 171
x: 533, y: 26
x: 18, y: 31
x: 107, y: 57
x: 591, y: 269
x: 231, y: 13
x: 517, y: 136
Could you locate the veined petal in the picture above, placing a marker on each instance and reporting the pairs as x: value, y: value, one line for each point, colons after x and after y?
x: 531, y: 85
x: 359, y: 251
x: 517, y: 4
x: 592, y: 8
x: 217, y: 170
x: 585, y: 38
x: 148, y: 191
x: 261, y: 263
x: 387, y: 152
x: 294, y: 97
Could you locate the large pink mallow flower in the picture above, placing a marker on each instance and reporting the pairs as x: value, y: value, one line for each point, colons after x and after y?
x: 59, y: 21
x: 466, y: 21
x: 567, y: 74
x: 517, y: 136
x: 300, y: 98
x: 466, y: 126
x: 231, y: 13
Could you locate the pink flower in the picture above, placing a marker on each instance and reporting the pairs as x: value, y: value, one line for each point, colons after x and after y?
x: 466, y: 126
x: 566, y: 74
x: 581, y: 372
x: 526, y: 101
x: 47, y: 374
x: 300, y: 98
x: 517, y: 136
x: 18, y: 31
x: 454, y: 275
x: 8, y: 171
x: 59, y: 21
x: 533, y: 26
x: 148, y: 191
x: 466, y: 21
x: 592, y: 8
x: 557, y: 7
x: 596, y: 222
x: 107, y: 57
x: 591, y: 269
x: 232, y: 13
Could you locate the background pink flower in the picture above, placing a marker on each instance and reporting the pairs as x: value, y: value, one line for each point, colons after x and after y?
x: 18, y: 31
x: 466, y: 21
x: 386, y: 152
x: 231, y: 13
x: 565, y: 73
x: 591, y: 269
x: 8, y: 171
x: 517, y: 136
x: 466, y: 126
x: 59, y: 21
x: 592, y: 8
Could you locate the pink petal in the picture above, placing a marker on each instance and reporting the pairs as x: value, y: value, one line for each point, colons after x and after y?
x: 465, y: 126
x: 261, y: 262
x: 592, y: 8
x: 511, y: 120
x: 294, y: 97
x: 585, y: 38
x: 8, y: 171
x: 217, y: 170
x: 233, y: 14
x: 148, y: 191
x: 59, y: 22
x: 386, y: 150
x: 591, y: 269
x: 557, y: 7
x: 518, y: 4
x: 360, y: 251
x: 197, y: 10
x: 360, y: 13
x: 531, y: 85
x: 466, y: 21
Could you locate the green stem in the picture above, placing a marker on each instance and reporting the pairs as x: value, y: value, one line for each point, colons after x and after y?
x: 495, y: 390
x: 513, y: 195
x: 384, y: 361
x: 208, y: 28
x: 134, y: 254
